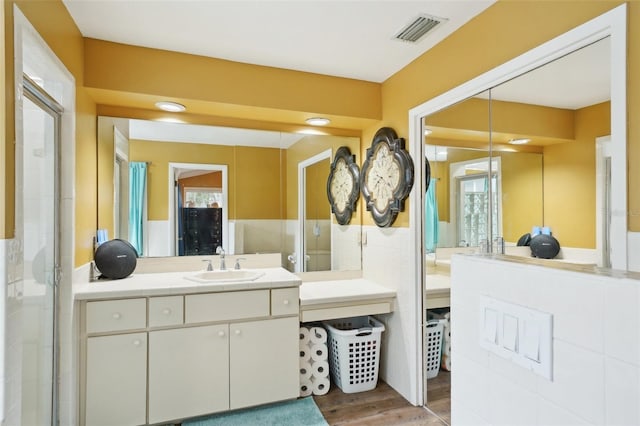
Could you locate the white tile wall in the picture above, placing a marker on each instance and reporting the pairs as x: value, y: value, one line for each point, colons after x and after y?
x: 578, y: 381
x: 346, y: 253
x: 157, y: 238
x: 387, y: 260
x: 596, y: 373
x: 549, y: 414
x: 622, y: 393
x: 621, y: 308
x: 3, y: 313
x: 633, y: 251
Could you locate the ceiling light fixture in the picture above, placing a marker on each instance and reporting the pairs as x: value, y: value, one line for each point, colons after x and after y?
x: 317, y: 121
x: 520, y: 141
x: 427, y: 132
x: 170, y: 106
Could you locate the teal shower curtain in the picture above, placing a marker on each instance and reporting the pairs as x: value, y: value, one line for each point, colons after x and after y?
x: 137, y: 191
x: 431, y: 218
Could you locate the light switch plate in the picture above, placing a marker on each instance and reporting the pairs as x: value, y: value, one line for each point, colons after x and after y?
x: 510, y: 332
x: 524, y: 335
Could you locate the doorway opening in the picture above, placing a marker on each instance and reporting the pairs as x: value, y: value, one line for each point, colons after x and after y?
x: 199, y: 209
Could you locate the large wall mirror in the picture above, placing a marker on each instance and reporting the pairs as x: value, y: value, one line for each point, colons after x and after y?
x: 209, y: 187
x: 524, y: 154
x: 540, y: 140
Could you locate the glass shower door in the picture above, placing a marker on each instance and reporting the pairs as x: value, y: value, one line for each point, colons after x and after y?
x: 40, y: 201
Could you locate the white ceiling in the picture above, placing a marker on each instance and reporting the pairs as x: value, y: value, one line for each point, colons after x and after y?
x: 575, y: 81
x: 346, y: 38
x: 193, y: 133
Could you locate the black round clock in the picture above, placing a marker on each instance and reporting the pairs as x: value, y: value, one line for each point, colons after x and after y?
x: 386, y: 177
x: 343, y: 186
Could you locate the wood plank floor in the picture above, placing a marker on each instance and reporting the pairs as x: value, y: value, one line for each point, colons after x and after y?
x: 382, y: 406
x: 439, y: 395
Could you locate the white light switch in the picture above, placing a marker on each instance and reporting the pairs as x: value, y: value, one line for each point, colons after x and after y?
x: 518, y: 333
x: 510, y: 332
x: 531, y: 340
x: 490, y: 325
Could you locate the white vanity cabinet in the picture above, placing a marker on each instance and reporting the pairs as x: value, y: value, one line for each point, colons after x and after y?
x: 188, y: 372
x: 190, y: 355
x: 116, y: 380
x: 262, y: 353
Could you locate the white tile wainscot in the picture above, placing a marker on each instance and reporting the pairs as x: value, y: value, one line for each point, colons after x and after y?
x: 323, y: 300
x: 596, y: 336
x: 148, y: 340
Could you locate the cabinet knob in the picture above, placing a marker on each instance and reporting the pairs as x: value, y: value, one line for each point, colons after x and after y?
x: 237, y: 332
x: 285, y: 301
x: 116, y: 315
x: 221, y: 333
x: 137, y: 342
x: 166, y: 311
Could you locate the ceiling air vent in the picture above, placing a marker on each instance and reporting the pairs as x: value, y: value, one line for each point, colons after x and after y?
x: 418, y: 28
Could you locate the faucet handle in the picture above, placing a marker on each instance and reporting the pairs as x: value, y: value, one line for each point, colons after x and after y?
x: 209, y: 266
x: 237, y: 266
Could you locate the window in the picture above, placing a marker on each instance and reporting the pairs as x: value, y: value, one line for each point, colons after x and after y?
x: 203, y: 197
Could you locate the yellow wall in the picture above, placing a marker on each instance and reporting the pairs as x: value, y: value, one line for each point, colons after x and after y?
x: 317, y: 207
x: 227, y: 84
x: 259, y: 189
x: 570, y: 174
x: 54, y: 24
x: 476, y: 48
x: 3, y: 138
x: 522, y: 193
x: 254, y: 175
x: 306, y: 148
x: 207, y: 180
x: 483, y: 44
x: 522, y: 197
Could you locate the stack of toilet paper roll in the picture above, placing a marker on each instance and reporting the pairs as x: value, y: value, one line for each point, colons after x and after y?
x: 314, y: 361
x: 446, y: 345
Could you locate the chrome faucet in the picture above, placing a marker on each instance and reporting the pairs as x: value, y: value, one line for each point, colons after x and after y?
x: 209, y: 265
x: 220, y: 251
x: 237, y: 266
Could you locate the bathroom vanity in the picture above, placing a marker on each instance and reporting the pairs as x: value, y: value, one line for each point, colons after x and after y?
x: 160, y: 347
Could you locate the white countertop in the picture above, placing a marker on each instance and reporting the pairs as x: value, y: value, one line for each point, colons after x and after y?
x: 169, y: 283
x: 321, y: 292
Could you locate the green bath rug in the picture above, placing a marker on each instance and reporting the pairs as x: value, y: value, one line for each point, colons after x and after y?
x: 298, y: 412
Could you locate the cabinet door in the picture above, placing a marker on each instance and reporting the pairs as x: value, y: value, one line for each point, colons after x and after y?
x: 264, y: 361
x: 188, y: 372
x: 116, y: 383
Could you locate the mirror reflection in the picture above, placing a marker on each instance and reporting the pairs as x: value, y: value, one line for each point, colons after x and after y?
x: 237, y: 189
x: 523, y: 155
x: 527, y: 154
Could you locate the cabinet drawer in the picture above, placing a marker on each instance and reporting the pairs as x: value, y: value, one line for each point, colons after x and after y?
x: 284, y: 301
x: 116, y: 315
x: 166, y: 311
x: 226, y: 306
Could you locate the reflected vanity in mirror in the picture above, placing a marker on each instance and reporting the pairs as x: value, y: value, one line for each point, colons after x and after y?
x: 248, y: 181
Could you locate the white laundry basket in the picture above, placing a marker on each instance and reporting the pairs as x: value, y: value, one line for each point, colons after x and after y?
x: 434, y: 331
x: 354, y: 352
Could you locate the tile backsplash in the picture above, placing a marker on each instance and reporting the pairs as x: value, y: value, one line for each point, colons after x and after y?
x: 596, y: 335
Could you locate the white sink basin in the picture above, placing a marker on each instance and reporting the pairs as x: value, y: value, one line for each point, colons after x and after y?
x: 227, y: 276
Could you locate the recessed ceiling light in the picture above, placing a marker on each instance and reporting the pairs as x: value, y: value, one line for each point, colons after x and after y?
x: 170, y: 106
x: 520, y: 141
x: 317, y: 121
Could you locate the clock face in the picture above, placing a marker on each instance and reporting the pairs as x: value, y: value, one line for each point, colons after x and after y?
x: 387, y: 177
x: 341, y: 185
x: 383, y: 177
